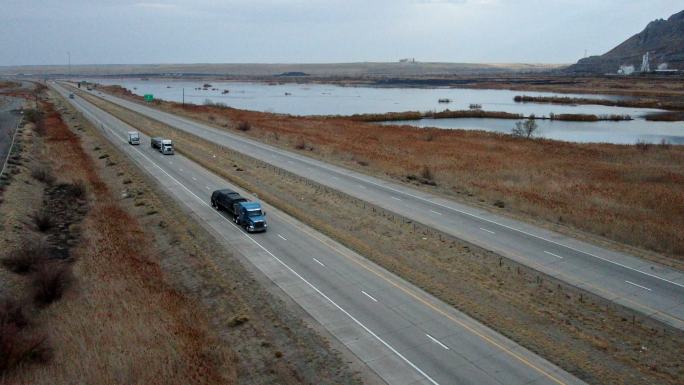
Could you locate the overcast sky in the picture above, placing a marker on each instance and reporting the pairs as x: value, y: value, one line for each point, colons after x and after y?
x: 213, y: 31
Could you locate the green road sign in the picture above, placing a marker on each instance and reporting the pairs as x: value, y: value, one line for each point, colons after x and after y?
x: 149, y: 97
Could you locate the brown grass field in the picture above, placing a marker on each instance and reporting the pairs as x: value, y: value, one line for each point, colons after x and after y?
x: 120, y: 321
x: 633, y: 195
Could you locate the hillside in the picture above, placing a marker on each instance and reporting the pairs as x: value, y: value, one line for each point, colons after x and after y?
x: 664, y: 39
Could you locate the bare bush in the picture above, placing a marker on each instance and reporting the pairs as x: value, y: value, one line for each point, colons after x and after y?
x: 78, y: 189
x: 244, y: 126
x: 426, y: 173
x: 42, y: 220
x: 43, y: 174
x: 525, y: 129
x: 642, y: 145
x: 27, y: 258
x: 50, y: 281
x: 17, y: 345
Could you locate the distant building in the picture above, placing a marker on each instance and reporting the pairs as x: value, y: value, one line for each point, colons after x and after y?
x: 626, y: 69
x: 646, y: 62
x: 407, y: 60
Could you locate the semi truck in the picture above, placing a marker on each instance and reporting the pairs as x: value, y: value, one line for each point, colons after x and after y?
x: 165, y: 146
x: 251, y: 217
x: 225, y: 200
x: 133, y: 137
x: 245, y: 213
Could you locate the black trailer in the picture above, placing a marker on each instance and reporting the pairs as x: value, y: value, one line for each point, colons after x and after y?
x: 226, y: 199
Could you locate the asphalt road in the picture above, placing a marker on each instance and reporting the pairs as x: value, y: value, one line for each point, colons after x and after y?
x: 652, y: 289
x: 401, y: 333
x: 8, y: 125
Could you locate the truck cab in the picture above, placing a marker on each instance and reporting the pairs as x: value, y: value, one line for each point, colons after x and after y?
x: 251, y: 217
x: 133, y: 138
x: 166, y: 147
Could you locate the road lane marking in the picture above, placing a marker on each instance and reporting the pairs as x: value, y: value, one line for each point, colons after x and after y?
x: 283, y: 238
x: 323, y: 295
x: 369, y: 296
x: 396, y: 199
x: 643, y: 287
x: 318, y: 262
x: 489, y: 231
x: 363, y: 187
x: 555, y: 255
x: 435, y: 212
x: 436, y: 341
x: 208, y: 188
x: 193, y: 178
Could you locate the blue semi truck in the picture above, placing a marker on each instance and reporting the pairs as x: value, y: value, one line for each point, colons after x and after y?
x: 247, y: 214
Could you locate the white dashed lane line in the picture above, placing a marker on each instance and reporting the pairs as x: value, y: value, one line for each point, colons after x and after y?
x: 437, y: 341
x: 318, y: 262
x: 639, y: 286
x: 369, y: 296
x: 489, y: 231
x: 281, y: 237
x: 555, y: 255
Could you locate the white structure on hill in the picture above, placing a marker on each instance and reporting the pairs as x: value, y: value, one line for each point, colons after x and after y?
x: 646, y: 62
x: 626, y: 69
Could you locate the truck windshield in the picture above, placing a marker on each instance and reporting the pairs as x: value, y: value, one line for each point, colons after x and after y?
x: 254, y: 213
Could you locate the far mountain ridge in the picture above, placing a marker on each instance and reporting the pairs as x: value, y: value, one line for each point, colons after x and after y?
x: 663, y: 39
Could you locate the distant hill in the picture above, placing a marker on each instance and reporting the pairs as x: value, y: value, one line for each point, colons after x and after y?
x: 237, y: 70
x: 664, y: 39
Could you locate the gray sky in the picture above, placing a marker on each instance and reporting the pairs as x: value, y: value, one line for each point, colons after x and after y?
x: 213, y: 31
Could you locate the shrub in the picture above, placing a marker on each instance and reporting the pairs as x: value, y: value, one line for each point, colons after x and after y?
x: 78, y: 189
x: 43, y: 220
x: 43, y: 174
x: 525, y: 129
x: 33, y: 115
x: 664, y: 144
x: 50, y: 281
x: 16, y: 344
x: 426, y: 173
x: 642, y: 145
x: 27, y: 258
x: 244, y: 126
x: 238, y: 320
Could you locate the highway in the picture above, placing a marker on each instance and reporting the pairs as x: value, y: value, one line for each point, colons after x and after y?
x: 401, y: 333
x: 649, y: 288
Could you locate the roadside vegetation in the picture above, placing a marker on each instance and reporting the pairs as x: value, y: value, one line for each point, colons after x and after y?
x: 615, y: 195
x: 626, y: 102
x: 472, y: 113
x: 100, y: 286
x: 598, y: 341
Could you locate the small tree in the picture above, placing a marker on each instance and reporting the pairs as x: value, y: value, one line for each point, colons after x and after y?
x: 525, y: 129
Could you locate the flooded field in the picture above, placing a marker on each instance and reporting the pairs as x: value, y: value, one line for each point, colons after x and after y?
x: 325, y: 99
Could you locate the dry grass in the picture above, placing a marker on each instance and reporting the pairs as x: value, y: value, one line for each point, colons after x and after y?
x: 619, y: 192
x: 123, y: 323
